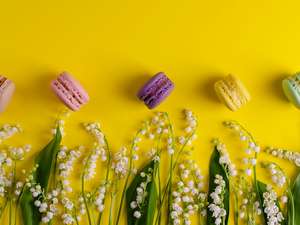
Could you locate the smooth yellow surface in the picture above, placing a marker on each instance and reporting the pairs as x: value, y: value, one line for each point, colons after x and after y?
x: 113, y: 47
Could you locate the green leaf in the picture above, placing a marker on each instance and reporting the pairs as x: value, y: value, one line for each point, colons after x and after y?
x: 46, y: 159
x: 296, y: 197
x: 262, y: 189
x: 131, y: 193
x: 216, y: 168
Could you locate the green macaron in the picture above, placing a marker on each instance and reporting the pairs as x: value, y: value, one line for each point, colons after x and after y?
x: 291, y: 88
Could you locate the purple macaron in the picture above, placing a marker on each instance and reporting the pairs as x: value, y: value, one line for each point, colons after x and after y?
x: 155, y: 90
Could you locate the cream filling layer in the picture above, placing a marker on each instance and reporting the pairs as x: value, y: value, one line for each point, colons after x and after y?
x: 234, y: 95
x: 3, y: 83
x: 70, y: 92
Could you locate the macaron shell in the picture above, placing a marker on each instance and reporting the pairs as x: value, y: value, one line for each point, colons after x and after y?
x: 160, y: 95
x: 75, y: 87
x: 292, y: 91
x: 63, y: 94
x: 6, y: 95
x: 148, y: 87
x: 241, y: 87
x: 223, y: 94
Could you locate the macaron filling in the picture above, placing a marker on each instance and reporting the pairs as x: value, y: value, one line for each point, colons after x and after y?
x: 2, y: 80
x: 159, y: 90
x: 295, y: 82
x: 232, y: 89
x: 153, y: 88
x: 66, y: 87
x: 3, y: 83
x: 65, y: 92
x: 68, y: 84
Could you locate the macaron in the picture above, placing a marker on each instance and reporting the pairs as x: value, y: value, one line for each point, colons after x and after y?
x: 232, y: 92
x: 155, y: 90
x: 7, y: 89
x: 69, y: 91
x: 291, y: 89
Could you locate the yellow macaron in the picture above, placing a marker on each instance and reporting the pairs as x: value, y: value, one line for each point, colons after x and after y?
x: 232, y: 92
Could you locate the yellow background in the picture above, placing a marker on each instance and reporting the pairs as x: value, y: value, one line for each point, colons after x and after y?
x: 113, y: 47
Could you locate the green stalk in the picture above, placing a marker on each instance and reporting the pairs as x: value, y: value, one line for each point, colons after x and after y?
x: 290, y: 193
x: 254, y: 169
x: 112, y: 201
x: 236, y: 196
x: 107, y: 175
x: 249, y: 217
x: 128, y: 175
x: 171, y: 170
x: 159, y: 191
x: 83, y: 195
x: 12, y: 190
x: 5, y: 204
x: 93, y: 212
x: 16, y: 210
x: 183, y: 212
x: 165, y: 192
x: 54, y: 179
x: 74, y: 208
x: 201, y: 219
x: 158, y: 168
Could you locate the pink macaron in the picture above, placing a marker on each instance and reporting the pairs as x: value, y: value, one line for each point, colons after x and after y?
x: 7, y: 89
x: 69, y: 91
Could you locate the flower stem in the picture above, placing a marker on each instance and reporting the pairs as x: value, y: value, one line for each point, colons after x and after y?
x: 93, y: 213
x: 5, y: 204
x: 107, y: 175
x: 290, y: 194
x: 171, y: 170
x: 54, y: 179
x: 112, y: 202
x: 159, y: 190
x: 83, y: 195
x: 12, y: 190
x: 236, y: 196
x: 165, y: 192
x: 128, y: 175
x: 16, y: 210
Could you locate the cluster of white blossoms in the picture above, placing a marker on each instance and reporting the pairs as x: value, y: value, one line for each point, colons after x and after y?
x: 8, y: 131
x: 189, y: 196
x: 193, y: 125
x: 280, y: 153
x: 60, y: 122
x: 217, y: 207
x: 224, y: 158
x: 69, y: 207
x: 249, y: 200
x: 278, y: 176
x: 9, y: 156
x: 46, y: 204
x: 94, y: 130
x: 270, y: 208
x: 121, y: 165
x: 252, y: 146
x: 67, y: 160
x: 90, y: 162
x: 141, y: 194
x: 5, y: 182
x: 98, y: 201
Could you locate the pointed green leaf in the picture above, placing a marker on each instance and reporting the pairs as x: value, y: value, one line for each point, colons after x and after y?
x: 296, y: 197
x: 131, y: 193
x: 216, y: 168
x: 46, y: 159
x: 262, y: 187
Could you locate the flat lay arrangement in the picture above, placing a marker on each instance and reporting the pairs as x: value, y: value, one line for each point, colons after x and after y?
x: 163, y: 112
